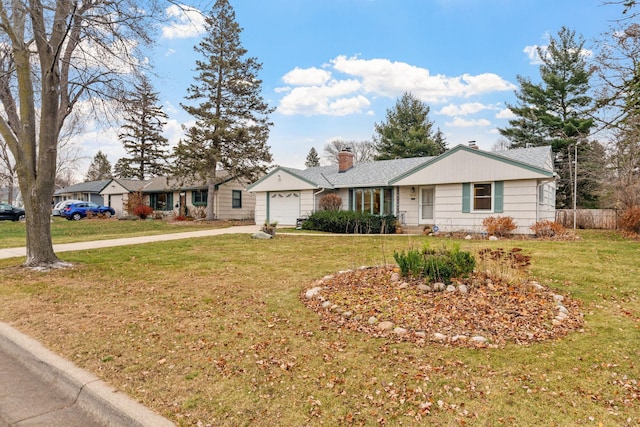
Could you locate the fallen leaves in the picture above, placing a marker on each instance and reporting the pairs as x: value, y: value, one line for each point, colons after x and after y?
x: 490, y: 313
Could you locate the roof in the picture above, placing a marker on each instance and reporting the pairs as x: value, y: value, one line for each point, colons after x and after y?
x: 85, y: 187
x: 385, y: 172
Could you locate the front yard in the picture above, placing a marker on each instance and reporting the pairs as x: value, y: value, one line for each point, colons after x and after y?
x: 213, y: 331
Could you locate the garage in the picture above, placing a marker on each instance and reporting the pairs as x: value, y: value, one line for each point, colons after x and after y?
x: 284, y: 207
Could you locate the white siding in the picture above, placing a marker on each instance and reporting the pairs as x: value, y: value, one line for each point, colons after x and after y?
x: 224, y: 202
x: 464, y: 166
x: 261, y: 208
x: 520, y: 203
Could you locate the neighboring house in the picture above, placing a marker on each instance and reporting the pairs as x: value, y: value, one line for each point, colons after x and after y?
x: 87, y: 191
x: 171, y: 196
x: 455, y: 191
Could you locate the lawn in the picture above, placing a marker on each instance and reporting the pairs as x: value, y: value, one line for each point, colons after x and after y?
x: 212, y: 331
x: 12, y: 234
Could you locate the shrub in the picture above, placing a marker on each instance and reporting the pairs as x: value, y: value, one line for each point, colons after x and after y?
x: 330, y: 202
x: 350, y: 222
x: 499, y: 226
x: 142, y: 211
x: 548, y: 228
x: 435, y: 265
x: 630, y: 220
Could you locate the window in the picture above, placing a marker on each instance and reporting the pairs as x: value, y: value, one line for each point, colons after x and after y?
x: 376, y: 201
x: 161, y: 201
x: 481, y: 197
x: 236, y: 199
x: 199, y: 197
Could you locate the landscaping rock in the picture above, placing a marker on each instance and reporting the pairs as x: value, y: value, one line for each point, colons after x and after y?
x: 451, y: 288
x: 493, y: 238
x: 463, y: 289
x: 395, y: 277
x: 327, y: 304
x: 467, y: 237
x: 261, y: 235
x: 424, y: 288
x: 399, y: 331
x: 421, y: 334
x: 347, y: 314
x: 403, y: 285
x: 479, y: 339
x: 385, y: 326
x: 439, y: 286
x: 313, y: 292
x: 372, y: 320
x: 439, y: 337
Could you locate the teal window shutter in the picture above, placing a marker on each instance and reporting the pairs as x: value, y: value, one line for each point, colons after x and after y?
x: 498, y: 200
x: 466, y: 197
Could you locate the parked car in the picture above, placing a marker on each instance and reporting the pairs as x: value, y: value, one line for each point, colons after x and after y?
x: 77, y: 211
x: 57, y: 209
x: 13, y: 213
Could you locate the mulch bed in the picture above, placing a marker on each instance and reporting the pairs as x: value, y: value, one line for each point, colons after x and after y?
x: 489, y: 313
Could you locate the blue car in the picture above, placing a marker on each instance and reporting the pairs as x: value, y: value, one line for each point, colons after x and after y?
x: 77, y: 211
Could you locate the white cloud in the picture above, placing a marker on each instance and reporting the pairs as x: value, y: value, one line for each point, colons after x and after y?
x: 505, y: 114
x: 312, y: 91
x: 184, y: 22
x: 463, y: 109
x: 464, y: 123
x: 170, y: 52
x: 337, y: 98
x: 306, y: 77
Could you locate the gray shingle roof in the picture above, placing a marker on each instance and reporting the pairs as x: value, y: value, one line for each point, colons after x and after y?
x: 366, y: 174
x: 85, y: 187
x: 534, y: 156
x: 383, y: 172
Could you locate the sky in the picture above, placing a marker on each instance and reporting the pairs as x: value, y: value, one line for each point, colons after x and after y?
x: 334, y: 68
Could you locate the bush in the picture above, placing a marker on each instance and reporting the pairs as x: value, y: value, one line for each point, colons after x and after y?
x: 499, y: 226
x: 350, y: 222
x: 330, y: 202
x: 142, y: 211
x: 435, y: 265
x: 548, y: 228
x: 630, y: 220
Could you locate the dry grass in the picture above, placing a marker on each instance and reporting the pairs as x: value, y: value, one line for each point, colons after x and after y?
x: 212, y: 331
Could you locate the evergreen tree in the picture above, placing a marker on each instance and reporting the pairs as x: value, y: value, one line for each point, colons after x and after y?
x: 408, y: 132
x: 100, y: 168
x: 556, y: 111
x: 232, y: 124
x: 313, y: 159
x: 122, y: 169
x: 142, y: 135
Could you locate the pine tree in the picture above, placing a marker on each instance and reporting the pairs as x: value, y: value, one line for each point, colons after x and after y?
x: 232, y: 124
x: 142, y: 135
x: 313, y: 159
x: 408, y: 132
x: 100, y: 168
x: 556, y: 111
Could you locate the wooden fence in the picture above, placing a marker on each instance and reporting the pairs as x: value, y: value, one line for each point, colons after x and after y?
x: 606, y: 219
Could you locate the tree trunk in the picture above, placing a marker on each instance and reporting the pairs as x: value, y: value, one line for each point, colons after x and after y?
x: 39, y: 247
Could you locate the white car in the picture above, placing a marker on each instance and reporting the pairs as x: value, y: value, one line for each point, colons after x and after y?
x: 57, y: 209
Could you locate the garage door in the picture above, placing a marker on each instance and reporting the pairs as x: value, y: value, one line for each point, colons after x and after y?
x: 284, y: 207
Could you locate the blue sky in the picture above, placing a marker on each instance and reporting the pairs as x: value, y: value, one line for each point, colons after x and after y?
x: 333, y: 68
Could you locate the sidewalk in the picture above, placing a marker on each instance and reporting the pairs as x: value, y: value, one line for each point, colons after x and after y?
x: 67, y: 247
x: 39, y: 388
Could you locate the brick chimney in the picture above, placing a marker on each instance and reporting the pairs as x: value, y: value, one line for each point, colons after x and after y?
x: 345, y: 160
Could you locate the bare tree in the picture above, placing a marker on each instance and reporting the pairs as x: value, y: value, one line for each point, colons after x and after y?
x: 54, y: 54
x: 363, y: 151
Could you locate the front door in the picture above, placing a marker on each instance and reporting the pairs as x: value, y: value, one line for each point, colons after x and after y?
x: 426, y: 205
